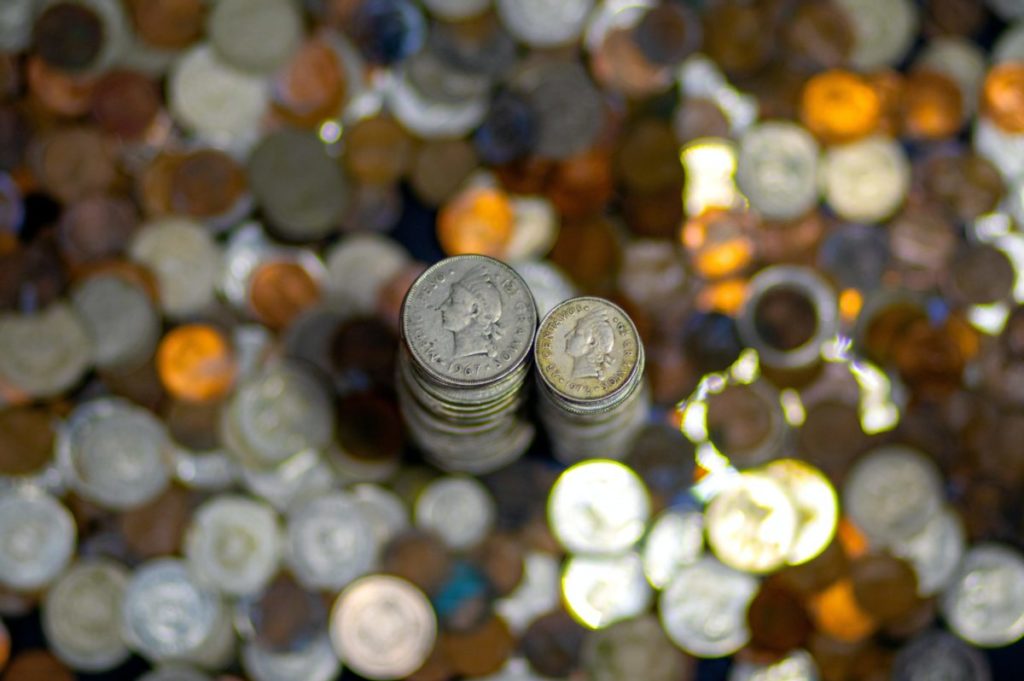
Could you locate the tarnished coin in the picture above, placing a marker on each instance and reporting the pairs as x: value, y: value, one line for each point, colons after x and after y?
x: 984, y: 603
x: 383, y: 627
x: 939, y: 655
x: 37, y: 538
x: 330, y: 541
x: 580, y: 516
x: 777, y: 169
x: 120, y: 318
x: 44, y: 353
x: 587, y: 349
x: 752, y: 523
x: 82, y: 615
x: 166, y: 614
x: 891, y: 493
x: 540, y: 23
x: 469, y: 321
x: 704, y: 609
x: 634, y: 648
x: 675, y: 540
x: 185, y: 259
x: 602, y: 590
x: 234, y: 544
x: 867, y: 180
x: 458, y: 508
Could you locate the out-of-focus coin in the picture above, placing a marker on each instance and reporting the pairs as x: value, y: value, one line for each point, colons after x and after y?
x: 96, y: 228
x: 1002, y: 94
x: 540, y: 24
x: 156, y: 529
x: 752, y: 523
x: 37, y: 665
x: 196, y: 363
x: 816, y: 503
x: 37, y: 538
x: 358, y: 267
x: 121, y: 320
x: 601, y: 590
x: 185, y: 260
x: 168, y: 24
x: 581, y: 518
x: 440, y: 168
x: 210, y: 185
x: 570, y: 111
x: 316, y: 661
x: 480, y: 651
x: 114, y: 453
x: 777, y: 169
x: 459, y: 509
x: 799, y: 665
x: 26, y: 441
x: 73, y: 162
x: 537, y: 593
x: 634, y: 646
x: 936, y: 551
x: 552, y: 644
x: 330, y: 542
x: 891, y: 493
x: 478, y: 220
x: 746, y: 423
x: 883, y: 31
x: 382, y: 627
x: 126, y: 103
x: 866, y: 181
x: 234, y: 544
x: 255, y: 36
x: 675, y: 540
x: 840, y: 106
x: 281, y: 290
x: 937, y: 654
x: 984, y: 603
x: 703, y: 610
x: 82, y: 615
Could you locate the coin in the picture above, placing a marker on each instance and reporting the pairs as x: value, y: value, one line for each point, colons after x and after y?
x: 539, y: 24
x: 314, y: 662
x: 185, y: 260
x: 936, y: 653
x: 26, y: 441
x: 883, y: 31
x: 703, y: 610
x: 37, y: 665
x: 254, y: 36
x: 777, y: 169
x: 38, y: 536
x: 675, y: 540
x: 195, y: 363
x: 840, y: 106
x: 478, y: 220
x: 382, y: 627
x: 935, y: 552
x: 330, y: 542
x: 82, y: 615
x: 602, y: 590
x: 480, y: 651
x: 156, y: 528
x: 168, y: 24
x: 121, y: 320
x: 984, y: 603
x: 867, y: 180
x: 459, y: 509
x: 280, y: 291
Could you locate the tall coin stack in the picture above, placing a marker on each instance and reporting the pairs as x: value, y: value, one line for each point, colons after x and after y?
x: 590, y: 366
x: 467, y: 329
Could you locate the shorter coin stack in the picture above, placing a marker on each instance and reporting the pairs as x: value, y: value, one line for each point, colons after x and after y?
x: 590, y: 364
x: 467, y: 326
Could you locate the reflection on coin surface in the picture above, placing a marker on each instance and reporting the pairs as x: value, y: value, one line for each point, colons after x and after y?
x: 330, y: 541
x: 469, y: 320
x: 601, y: 590
x: 383, y: 627
x: 816, y: 502
x: 704, y: 609
x: 752, y: 523
x: 459, y: 509
x: 676, y: 539
x: 82, y: 615
x: 587, y: 348
x: 598, y: 507
x: 891, y: 493
x: 777, y: 169
x: 984, y: 603
x: 37, y: 538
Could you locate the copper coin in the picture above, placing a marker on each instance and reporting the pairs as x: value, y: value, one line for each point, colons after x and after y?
x: 125, y: 103
x: 377, y: 150
x: 168, y: 24
x: 436, y: 668
x: 954, y: 17
x: 933, y: 107
x: 482, y: 651
x: 582, y: 185
x: 884, y: 586
x: 141, y: 385
x: 838, y: 614
x: 154, y: 183
x: 75, y: 162
x: 206, y: 183
x: 777, y: 619
x: 69, y: 36
x: 157, y: 528
x: 26, y: 440
x: 831, y: 437
x: 500, y: 557
x: 589, y: 252
x: 369, y: 427
x: 196, y: 363
x: 37, y: 665
x: 440, y: 168
x: 478, y: 220
x: 280, y: 291
x: 1002, y: 96
x: 96, y: 228
x: 740, y: 421
x: 311, y: 87
x: 656, y: 215
x: 720, y: 242
x: 983, y: 274
x: 363, y: 351
x: 819, y: 35
x: 735, y: 37
x: 699, y: 117
x: 785, y: 318
x: 420, y: 558
x: 552, y: 644
x: 618, y: 63
x: 817, y: 574
x: 61, y: 93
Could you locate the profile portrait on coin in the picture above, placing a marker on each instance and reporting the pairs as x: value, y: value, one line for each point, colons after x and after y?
x: 590, y: 345
x: 471, y: 312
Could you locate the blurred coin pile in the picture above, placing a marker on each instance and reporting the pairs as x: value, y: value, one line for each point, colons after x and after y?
x: 511, y: 339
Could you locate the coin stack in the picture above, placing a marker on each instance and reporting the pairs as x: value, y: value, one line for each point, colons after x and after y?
x: 590, y: 364
x: 467, y: 325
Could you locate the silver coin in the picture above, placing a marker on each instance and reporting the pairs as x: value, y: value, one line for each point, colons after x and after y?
x: 185, y: 259
x: 633, y: 648
x: 121, y: 320
x: 796, y: 666
x: 81, y: 615
x: 884, y: 30
x: 427, y: 116
x: 984, y: 602
x: 548, y: 284
x: 675, y: 540
x: 234, y: 544
x: 569, y: 108
x: 1010, y: 44
x: 330, y: 542
x: 602, y: 590
x: 302, y: 476
x: 538, y: 592
x: 541, y: 23
x: 255, y: 35
x: 515, y: 669
x: 458, y: 508
x: 961, y: 60
x: 166, y: 614
x: 777, y: 169
x: 469, y: 320
x: 359, y: 266
x: 891, y: 493
x: 314, y: 662
x: 704, y: 609
x: 939, y: 656
x: 37, y: 538
x: 867, y: 180
x: 936, y: 551
x: 114, y: 453
x: 16, y: 21
x: 383, y: 627
x: 46, y: 353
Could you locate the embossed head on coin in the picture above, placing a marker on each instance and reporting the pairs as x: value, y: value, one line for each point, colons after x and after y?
x: 472, y: 312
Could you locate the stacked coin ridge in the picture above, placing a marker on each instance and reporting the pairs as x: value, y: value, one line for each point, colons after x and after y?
x: 467, y: 328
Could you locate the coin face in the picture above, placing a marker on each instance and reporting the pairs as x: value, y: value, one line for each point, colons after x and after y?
x: 984, y: 603
x: 44, y: 353
x: 185, y: 260
x: 777, y: 169
x: 383, y: 627
x: 330, y: 542
x: 121, y: 319
x: 598, y: 507
x: 883, y: 30
x: 544, y: 24
x: 634, y: 648
x: 587, y: 349
x: 37, y: 538
x: 469, y: 320
x: 458, y: 508
x: 752, y: 523
x: 704, y: 609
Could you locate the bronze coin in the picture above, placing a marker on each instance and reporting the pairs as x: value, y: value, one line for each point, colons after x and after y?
x: 500, y: 558
x: 817, y: 574
x: 983, y: 274
x: 141, y: 385
x: 884, y: 586
x: 281, y: 291
x: 96, y: 228
x: 735, y: 36
x: 312, y: 86
x: 168, y: 24
x: 420, y: 558
x: 37, y: 665
x: 965, y: 185
x: 819, y: 35
x: 206, y: 183
x: 740, y: 420
x: 831, y: 437
x: 158, y: 527
x: 647, y: 158
x: 32, y: 276
x: 582, y: 185
x: 26, y: 440
x: 481, y: 651
x: 436, y: 668
x: 125, y: 103
x: 69, y: 36
x: 369, y: 427
x: 57, y: 91
x: 552, y: 644
x: 777, y: 619
x: 363, y: 352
